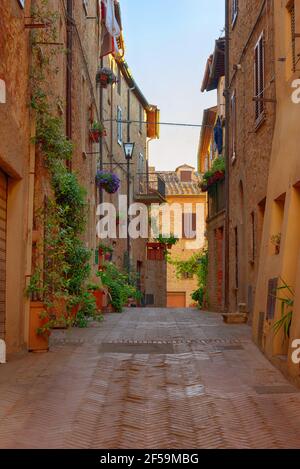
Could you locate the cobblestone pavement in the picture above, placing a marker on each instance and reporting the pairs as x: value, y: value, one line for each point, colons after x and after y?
x: 149, y: 378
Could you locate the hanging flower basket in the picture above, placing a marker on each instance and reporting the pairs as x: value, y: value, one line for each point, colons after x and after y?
x: 216, y: 177
x: 108, y: 181
x: 96, y: 135
x: 96, y: 132
x: 105, y: 77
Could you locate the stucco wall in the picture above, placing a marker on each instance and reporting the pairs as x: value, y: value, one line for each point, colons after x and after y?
x: 284, y: 178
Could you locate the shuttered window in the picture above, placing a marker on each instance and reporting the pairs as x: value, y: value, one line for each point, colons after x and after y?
x: 186, y: 176
x: 189, y: 225
x: 272, y: 294
x: 119, y: 126
x: 234, y: 10
x: 85, y: 6
x: 259, y: 78
x: 233, y: 126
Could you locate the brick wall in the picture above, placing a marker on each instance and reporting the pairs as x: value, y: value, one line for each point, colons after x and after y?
x: 249, y: 172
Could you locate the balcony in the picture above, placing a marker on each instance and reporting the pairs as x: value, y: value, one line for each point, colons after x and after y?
x: 150, y: 188
x: 216, y: 198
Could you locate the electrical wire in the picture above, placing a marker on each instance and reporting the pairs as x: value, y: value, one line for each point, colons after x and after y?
x: 174, y: 124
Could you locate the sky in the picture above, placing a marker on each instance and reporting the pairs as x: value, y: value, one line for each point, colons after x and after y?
x: 167, y: 46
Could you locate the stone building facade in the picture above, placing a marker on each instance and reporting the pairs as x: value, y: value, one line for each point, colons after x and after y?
x: 71, y: 33
x: 252, y: 97
x: 182, y: 189
x: 15, y: 156
x: 212, y: 148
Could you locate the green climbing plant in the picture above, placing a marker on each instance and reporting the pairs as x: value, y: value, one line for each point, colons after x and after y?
x: 196, y: 265
x: 65, y: 258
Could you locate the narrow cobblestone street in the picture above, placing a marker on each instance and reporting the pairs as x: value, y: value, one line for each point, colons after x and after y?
x: 149, y: 378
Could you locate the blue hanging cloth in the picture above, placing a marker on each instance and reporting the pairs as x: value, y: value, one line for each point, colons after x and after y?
x: 218, y: 136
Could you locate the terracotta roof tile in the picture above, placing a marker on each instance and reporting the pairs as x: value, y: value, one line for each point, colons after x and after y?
x: 175, y: 187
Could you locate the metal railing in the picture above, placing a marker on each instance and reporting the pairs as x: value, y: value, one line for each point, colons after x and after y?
x: 150, y: 184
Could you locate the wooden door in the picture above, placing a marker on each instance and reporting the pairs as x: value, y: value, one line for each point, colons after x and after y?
x: 176, y: 300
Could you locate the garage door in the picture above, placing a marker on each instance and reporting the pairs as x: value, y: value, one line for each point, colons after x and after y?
x: 3, y: 207
x: 176, y: 300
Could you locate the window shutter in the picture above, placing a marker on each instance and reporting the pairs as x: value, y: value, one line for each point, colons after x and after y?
x: 186, y: 176
x: 234, y: 10
x: 259, y: 77
x: 189, y: 225
x: 272, y: 293
x: 233, y: 125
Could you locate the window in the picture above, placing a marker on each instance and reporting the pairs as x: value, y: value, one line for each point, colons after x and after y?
x: 259, y: 79
x: 141, y: 118
x: 141, y: 164
x: 84, y: 117
x: 236, y: 242
x: 186, y: 176
x: 119, y: 125
x: 271, y: 301
x: 233, y: 127
x: 234, y: 11
x: 187, y: 276
x: 119, y: 82
x: 189, y: 225
x: 253, y: 240
x: 85, y: 6
x: 291, y: 9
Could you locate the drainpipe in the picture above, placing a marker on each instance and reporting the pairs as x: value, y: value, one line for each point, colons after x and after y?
x: 69, y: 72
x: 227, y: 136
x: 101, y: 140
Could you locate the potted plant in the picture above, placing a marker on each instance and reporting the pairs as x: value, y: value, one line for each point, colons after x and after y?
x: 38, y: 317
x: 110, y: 182
x: 287, y: 307
x: 99, y: 295
x: 97, y: 131
x: 104, y: 254
x: 276, y: 241
x: 105, y: 77
x: 167, y: 242
x: 215, y: 174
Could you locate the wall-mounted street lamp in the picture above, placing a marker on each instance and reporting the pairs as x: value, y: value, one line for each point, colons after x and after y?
x: 128, y: 152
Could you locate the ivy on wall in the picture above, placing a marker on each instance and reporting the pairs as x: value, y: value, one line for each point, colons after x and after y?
x: 66, y: 260
x: 196, y: 265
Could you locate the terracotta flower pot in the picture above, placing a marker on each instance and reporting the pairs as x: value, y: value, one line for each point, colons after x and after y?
x: 59, y: 313
x: 74, y: 311
x: 35, y: 236
x: 99, y: 296
x: 37, y: 342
